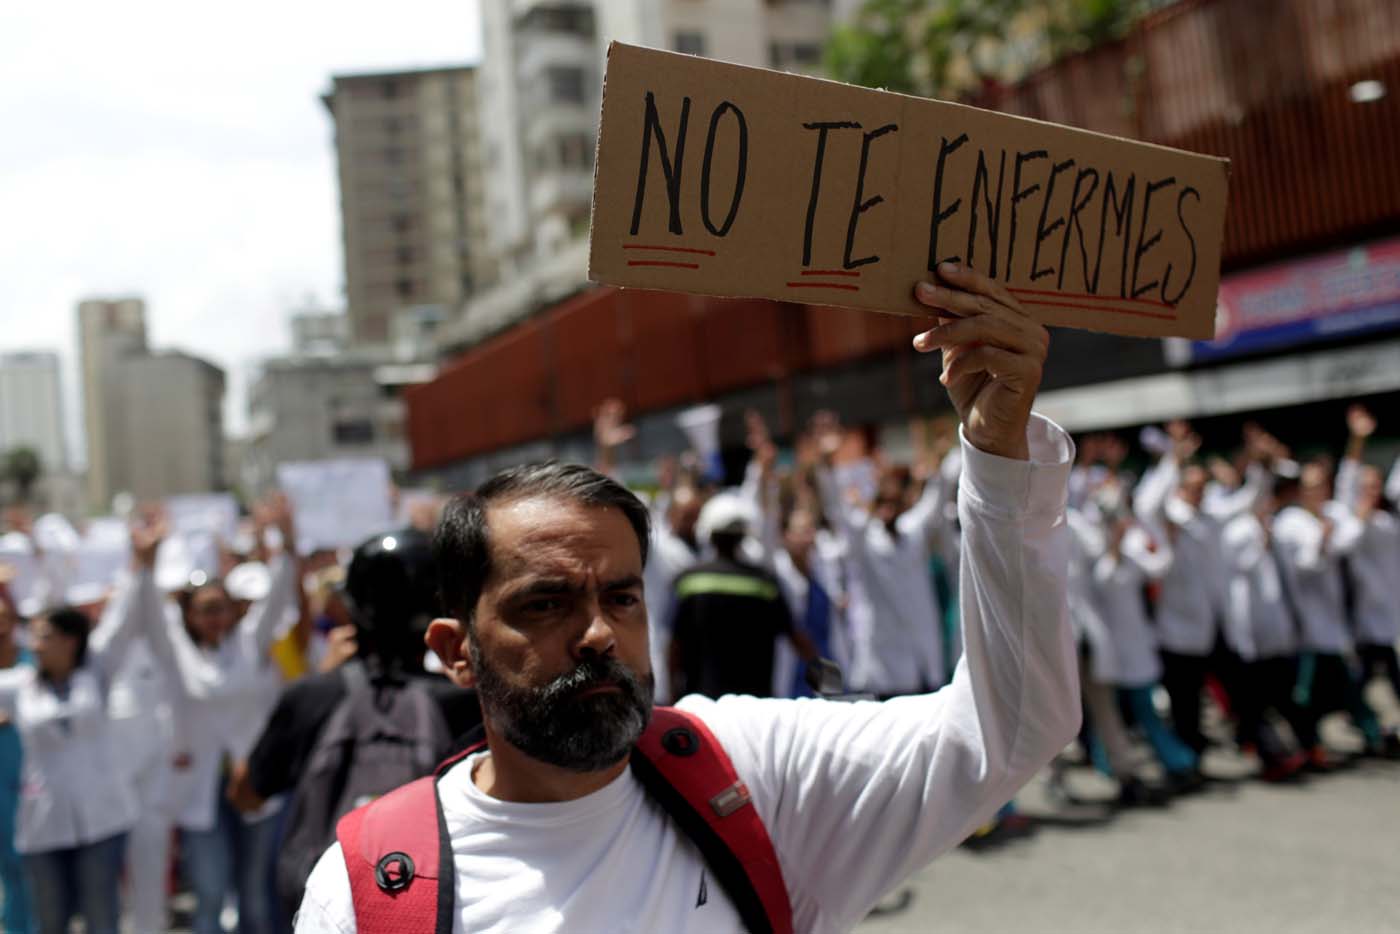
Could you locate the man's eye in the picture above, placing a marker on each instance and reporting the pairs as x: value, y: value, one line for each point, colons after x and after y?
x: 543, y: 605
x: 625, y: 599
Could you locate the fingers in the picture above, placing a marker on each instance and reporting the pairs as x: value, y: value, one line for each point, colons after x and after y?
x: 964, y: 362
x: 1024, y: 337
x: 987, y: 296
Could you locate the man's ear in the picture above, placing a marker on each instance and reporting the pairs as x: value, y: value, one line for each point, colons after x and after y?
x: 447, y: 637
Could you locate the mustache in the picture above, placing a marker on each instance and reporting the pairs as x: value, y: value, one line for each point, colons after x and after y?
x: 591, y: 673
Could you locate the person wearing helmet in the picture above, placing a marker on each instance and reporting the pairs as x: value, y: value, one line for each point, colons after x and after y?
x: 729, y: 613
x: 390, y: 592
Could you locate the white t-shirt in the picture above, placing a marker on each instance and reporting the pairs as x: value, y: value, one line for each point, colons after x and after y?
x: 855, y: 796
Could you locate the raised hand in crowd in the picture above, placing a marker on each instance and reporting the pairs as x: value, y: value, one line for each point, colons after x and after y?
x: 760, y: 442
x: 147, y: 532
x: 610, y: 432
x: 1361, y: 424
x: 274, y: 511
x: 993, y: 356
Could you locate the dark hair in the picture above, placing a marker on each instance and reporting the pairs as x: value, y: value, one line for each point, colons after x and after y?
x: 184, y: 598
x: 73, y: 623
x: 461, y: 546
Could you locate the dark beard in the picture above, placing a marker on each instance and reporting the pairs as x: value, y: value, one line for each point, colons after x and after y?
x: 555, y: 725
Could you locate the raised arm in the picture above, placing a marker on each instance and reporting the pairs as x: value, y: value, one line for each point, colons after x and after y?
x: 1361, y: 424
x: 263, y: 620
x: 900, y: 782
x: 128, y: 613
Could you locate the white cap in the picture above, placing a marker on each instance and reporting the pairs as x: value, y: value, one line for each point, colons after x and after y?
x: 249, y: 581
x: 725, y: 512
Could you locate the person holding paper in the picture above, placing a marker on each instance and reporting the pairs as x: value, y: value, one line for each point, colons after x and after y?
x: 76, y: 803
x: 546, y: 827
x: 223, y: 674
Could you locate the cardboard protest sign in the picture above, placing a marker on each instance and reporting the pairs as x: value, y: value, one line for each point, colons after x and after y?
x: 338, y: 503
x: 736, y: 181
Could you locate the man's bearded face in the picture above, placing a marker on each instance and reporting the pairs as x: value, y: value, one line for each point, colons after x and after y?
x: 584, y: 720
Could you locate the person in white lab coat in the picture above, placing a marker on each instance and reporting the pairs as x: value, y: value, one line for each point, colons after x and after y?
x: 71, y: 828
x: 1107, y: 738
x: 1172, y: 498
x: 1260, y: 622
x: 1131, y: 559
x: 221, y: 668
x: 897, y: 630
x: 1314, y: 535
x: 1374, y: 565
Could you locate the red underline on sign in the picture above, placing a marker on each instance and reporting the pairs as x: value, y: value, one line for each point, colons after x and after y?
x: 1121, y: 311
x: 1090, y: 298
x: 823, y: 285
x: 667, y: 249
x: 660, y: 262
x: 830, y: 272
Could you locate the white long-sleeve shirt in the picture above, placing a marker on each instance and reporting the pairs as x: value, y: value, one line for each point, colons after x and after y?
x: 854, y: 796
x: 1192, y: 598
x: 1258, y: 618
x: 896, y: 627
x: 1312, y: 571
x: 1374, y: 564
x: 1131, y: 659
x: 75, y: 787
x: 225, y: 693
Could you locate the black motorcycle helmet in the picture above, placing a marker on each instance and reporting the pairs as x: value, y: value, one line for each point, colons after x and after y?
x: 391, y: 591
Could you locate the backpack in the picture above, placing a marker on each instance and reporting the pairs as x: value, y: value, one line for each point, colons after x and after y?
x: 399, y: 858
x: 379, y: 737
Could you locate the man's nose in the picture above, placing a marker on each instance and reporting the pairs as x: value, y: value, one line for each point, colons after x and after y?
x: 598, y: 638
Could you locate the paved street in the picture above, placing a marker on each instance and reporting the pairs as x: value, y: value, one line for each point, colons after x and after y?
x: 1239, y: 857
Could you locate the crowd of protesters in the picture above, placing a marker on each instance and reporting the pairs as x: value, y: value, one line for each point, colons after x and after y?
x: 169, y: 722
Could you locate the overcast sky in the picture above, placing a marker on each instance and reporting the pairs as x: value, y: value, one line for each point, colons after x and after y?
x: 151, y: 148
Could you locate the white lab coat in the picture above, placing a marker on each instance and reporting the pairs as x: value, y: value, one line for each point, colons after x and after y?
x: 896, y: 626
x: 1086, y: 547
x: 75, y: 785
x: 669, y: 557
x: 225, y: 693
x: 1258, y: 618
x: 1374, y: 566
x: 1193, y: 591
x: 1131, y: 660
x: 1312, y: 571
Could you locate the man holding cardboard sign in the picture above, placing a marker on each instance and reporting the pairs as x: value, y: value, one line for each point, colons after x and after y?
x: 834, y: 802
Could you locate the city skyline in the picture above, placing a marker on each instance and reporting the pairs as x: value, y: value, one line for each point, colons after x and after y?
x: 194, y: 175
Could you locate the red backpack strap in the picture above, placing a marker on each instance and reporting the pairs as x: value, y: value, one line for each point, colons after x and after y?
x: 687, y: 772
x: 397, y: 853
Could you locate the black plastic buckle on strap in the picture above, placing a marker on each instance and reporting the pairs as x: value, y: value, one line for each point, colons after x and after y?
x: 394, y: 871
x: 680, y: 741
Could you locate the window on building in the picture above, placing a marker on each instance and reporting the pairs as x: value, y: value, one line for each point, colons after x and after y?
x: 404, y: 254
x: 390, y: 88
x: 689, y: 42
x: 404, y: 288
x: 403, y: 223
x: 575, y: 150
x: 392, y: 125
x: 806, y: 53
x: 353, y: 431
x: 566, y: 84
x: 393, y: 155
